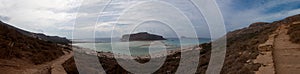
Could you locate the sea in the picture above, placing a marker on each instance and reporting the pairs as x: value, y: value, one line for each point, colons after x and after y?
x: 137, y: 48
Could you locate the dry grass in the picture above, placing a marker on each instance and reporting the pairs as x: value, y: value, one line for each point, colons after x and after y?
x: 15, y: 45
x: 242, y: 47
x: 294, y: 32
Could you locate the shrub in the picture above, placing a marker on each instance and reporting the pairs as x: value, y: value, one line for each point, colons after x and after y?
x: 294, y: 33
x: 14, y: 44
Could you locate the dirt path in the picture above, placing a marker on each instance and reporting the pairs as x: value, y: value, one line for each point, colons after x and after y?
x: 53, y: 67
x: 56, y: 65
x: 286, y: 54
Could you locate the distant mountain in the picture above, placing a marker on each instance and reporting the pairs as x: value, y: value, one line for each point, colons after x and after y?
x: 142, y: 36
x: 54, y: 39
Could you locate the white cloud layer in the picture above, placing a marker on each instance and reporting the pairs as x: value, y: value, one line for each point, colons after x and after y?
x: 38, y: 15
x: 57, y: 17
x: 237, y: 18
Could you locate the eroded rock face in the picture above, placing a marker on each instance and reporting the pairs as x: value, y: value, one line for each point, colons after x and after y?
x: 142, y: 36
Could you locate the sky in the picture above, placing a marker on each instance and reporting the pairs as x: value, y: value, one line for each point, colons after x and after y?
x: 113, y: 18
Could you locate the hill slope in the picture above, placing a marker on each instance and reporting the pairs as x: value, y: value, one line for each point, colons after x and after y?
x: 21, y: 53
x: 54, y: 39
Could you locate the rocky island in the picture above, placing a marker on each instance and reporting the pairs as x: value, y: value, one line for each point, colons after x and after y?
x: 142, y: 36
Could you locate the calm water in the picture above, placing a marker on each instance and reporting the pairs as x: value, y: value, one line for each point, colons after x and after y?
x: 140, y: 47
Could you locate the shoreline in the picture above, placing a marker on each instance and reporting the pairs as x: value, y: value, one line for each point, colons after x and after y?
x: 124, y: 56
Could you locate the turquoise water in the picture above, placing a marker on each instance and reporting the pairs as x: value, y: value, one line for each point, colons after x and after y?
x: 140, y: 47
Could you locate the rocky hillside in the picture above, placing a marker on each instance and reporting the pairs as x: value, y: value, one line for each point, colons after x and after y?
x: 294, y: 29
x: 242, y: 47
x: 53, y: 39
x: 15, y: 45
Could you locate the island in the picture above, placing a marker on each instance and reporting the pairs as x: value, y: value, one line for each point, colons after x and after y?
x: 142, y: 36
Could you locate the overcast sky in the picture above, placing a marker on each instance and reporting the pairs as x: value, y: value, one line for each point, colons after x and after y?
x: 102, y: 17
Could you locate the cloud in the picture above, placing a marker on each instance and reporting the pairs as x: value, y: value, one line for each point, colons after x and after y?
x: 116, y: 8
x: 4, y: 18
x: 240, y: 14
x: 57, y: 17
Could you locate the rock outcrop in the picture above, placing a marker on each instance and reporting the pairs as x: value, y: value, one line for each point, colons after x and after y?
x: 266, y: 56
x: 142, y: 36
x: 258, y: 24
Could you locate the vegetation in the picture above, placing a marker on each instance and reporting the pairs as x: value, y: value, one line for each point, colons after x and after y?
x: 242, y: 48
x: 15, y: 45
x: 294, y: 32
